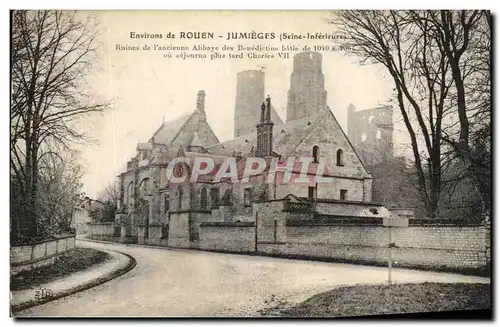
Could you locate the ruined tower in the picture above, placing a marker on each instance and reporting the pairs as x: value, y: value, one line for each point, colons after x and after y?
x: 371, y: 133
x: 249, y: 96
x: 307, y: 94
x: 250, y: 89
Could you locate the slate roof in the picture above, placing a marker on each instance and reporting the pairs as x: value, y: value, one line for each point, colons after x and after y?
x: 144, y: 146
x: 275, y: 117
x: 286, y: 137
x: 168, y: 130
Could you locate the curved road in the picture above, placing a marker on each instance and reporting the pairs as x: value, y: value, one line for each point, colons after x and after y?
x: 180, y: 283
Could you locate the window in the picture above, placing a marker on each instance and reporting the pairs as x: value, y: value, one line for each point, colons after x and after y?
x: 204, y: 199
x: 179, y: 198
x: 214, y: 197
x: 370, y: 119
x: 379, y: 135
x: 227, y: 198
x: 310, y: 192
x: 247, y: 197
x: 363, y: 137
x: 340, y: 157
x: 167, y: 204
x: 130, y: 193
x: 316, y: 153
x: 343, y: 194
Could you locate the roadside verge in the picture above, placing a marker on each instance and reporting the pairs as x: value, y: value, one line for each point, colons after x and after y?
x: 119, y: 264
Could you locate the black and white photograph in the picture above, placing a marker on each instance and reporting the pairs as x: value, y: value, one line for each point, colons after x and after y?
x: 281, y: 164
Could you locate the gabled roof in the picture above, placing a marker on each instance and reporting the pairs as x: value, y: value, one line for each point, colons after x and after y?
x: 144, y: 146
x: 167, y: 132
x: 275, y: 117
x: 286, y: 137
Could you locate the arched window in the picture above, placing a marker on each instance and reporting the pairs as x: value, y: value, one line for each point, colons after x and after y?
x: 315, y: 153
x: 204, y: 199
x: 179, y: 198
x: 340, y: 157
x: 130, y: 190
x: 143, y: 188
x: 167, y: 204
x: 379, y: 135
x: 214, y: 197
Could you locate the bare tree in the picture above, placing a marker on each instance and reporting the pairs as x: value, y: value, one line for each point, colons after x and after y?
x: 410, y: 46
x: 466, y: 41
x: 60, y: 189
x: 51, y: 53
x: 109, y: 196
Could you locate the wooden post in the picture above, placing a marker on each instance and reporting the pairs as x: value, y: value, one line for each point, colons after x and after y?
x: 275, y: 229
x: 390, y: 254
x: 256, y: 224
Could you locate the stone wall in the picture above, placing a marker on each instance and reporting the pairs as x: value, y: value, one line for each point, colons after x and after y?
x: 227, y: 236
x: 178, y: 230
x: 355, y: 189
x: 271, y: 221
x: 417, y: 246
x: 355, y: 209
x: 104, y: 231
x: 27, y: 257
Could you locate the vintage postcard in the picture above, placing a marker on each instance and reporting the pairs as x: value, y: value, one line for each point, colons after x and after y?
x: 296, y: 164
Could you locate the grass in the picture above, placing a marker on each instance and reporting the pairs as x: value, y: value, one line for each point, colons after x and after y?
x: 73, y: 261
x: 366, y: 300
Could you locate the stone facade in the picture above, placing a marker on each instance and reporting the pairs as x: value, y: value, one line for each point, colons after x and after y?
x: 371, y: 133
x: 152, y: 210
x: 250, y: 91
x: 307, y: 86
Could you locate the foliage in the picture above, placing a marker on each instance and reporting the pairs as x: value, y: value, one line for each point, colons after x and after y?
x: 76, y: 260
x: 366, y: 300
x: 439, y: 63
x: 51, y: 53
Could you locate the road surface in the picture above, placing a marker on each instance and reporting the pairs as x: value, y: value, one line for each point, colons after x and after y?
x: 181, y: 283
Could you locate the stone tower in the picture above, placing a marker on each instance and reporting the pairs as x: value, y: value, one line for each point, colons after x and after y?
x: 249, y: 96
x: 307, y: 94
x: 371, y: 133
x: 265, y: 131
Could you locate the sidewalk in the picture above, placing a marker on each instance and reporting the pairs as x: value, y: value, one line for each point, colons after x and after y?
x: 117, y: 265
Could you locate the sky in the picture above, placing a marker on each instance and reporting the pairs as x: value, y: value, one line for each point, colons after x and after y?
x: 144, y: 88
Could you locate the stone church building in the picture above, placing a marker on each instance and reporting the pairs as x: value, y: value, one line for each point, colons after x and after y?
x: 268, y: 215
x: 152, y: 210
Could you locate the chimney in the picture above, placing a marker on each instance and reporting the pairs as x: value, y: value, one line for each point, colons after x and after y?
x: 200, y: 101
x: 268, y: 112
x: 265, y: 131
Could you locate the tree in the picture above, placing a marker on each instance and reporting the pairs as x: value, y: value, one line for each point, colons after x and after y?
x: 466, y: 41
x: 411, y: 46
x: 60, y: 191
x: 109, y: 196
x: 51, y: 54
